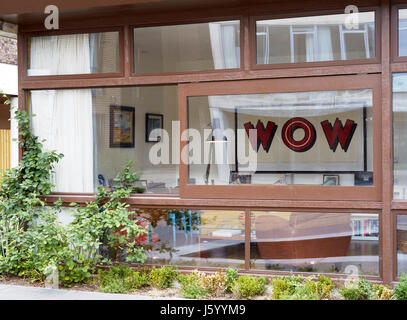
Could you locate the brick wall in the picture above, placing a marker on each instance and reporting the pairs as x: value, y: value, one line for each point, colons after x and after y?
x: 8, y: 50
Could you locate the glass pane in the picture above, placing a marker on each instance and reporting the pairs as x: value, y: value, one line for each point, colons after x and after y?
x: 206, y: 238
x: 190, y: 47
x: 399, y: 135
x: 315, y: 38
x: 302, y: 138
x: 84, y: 53
x: 100, y: 130
x: 315, y: 242
x: 401, y: 244
x: 402, y: 32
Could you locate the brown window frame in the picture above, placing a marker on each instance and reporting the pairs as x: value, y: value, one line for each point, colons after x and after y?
x: 253, y: 41
x: 239, y: 18
x: 309, y: 192
x: 26, y: 50
x: 395, y: 34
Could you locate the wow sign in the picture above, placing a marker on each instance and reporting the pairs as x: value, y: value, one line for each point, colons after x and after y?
x: 334, y: 134
x: 318, y: 143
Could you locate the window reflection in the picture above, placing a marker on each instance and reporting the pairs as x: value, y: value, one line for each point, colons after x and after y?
x: 191, y: 47
x: 316, y: 38
x: 315, y: 242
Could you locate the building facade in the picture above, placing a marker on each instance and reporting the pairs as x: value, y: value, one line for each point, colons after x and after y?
x: 269, y: 136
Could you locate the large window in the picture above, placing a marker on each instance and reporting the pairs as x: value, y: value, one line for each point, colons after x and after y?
x: 316, y: 38
x: 401, y: 244
x: 302, y: 138
x: 402, y: 33
x: 207, y: 238
x: 315, y: 242
x: 400, y: 134
x: 190, y: 47
x: 101, y: 130
x: 85, y: 53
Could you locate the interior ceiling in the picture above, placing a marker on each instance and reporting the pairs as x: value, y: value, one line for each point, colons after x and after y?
x: 31, y: 12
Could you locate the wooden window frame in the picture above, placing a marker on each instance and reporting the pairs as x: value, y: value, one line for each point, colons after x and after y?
x: 262, y: 191
x: 25, y: 54
x: 395, y: 34
x: 276, y: 66
x: 239, y: 18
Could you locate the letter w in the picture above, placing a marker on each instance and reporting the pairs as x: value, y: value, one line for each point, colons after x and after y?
x: 265, y: 136
x: 339, y: 133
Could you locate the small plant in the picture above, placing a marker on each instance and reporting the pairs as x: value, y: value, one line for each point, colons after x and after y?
x: 400, y: 290
x: 214, y: 284
x: 121, y: 279
x: 359, y: 289
x: 163, y: 277
x: 382, y: 292
x: 231, y: 278
x: 191, y: 287
x: 247, y: 287
x: 311, y: 289
x: 285, y: 286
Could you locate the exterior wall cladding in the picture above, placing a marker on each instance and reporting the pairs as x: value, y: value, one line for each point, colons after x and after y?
x: 8, y: 50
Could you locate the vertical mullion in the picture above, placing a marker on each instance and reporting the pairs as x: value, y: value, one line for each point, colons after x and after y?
x: 386, y: 239
x: 247, y: 239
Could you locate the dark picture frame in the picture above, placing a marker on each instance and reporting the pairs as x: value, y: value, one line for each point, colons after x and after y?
x: 122, y: 121
x: 154, y: 121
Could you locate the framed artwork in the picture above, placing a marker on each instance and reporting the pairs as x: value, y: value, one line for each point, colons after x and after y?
x: 154, y: 121
x: 330, y: 180
x: 121, y: 127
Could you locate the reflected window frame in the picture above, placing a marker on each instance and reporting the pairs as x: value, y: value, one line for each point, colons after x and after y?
x: 253, y: 38
x: 395, y: 28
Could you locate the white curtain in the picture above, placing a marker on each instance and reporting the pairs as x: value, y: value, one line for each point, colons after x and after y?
x: 57, y: 55
x: 325, y: 43
x: 64, y: 117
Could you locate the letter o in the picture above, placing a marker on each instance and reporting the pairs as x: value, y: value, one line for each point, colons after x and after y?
x: 305, y: 143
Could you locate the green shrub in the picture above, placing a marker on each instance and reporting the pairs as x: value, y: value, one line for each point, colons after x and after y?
x: 163, y: 277
x: 400, y: 290
x: 191, y: 287
x: 231, y: 277
x: 309, y: 289
x: 382, y: 292
x: 121, y: 279
x: 248, y: 286
x: 286, y: 286
x: 358, y: 290
x: 214, y: 284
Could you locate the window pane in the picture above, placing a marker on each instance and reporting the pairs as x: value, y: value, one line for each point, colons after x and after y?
x: 100, y: 130
x: 206, y: 238
x: 190, y: 47
x: 315, y: 242
x: 315, y: 38
x: 401, y: 244
x: 402, y: 32
x: 399, y: 135
x: 74, y: 54
x: 303, y: 138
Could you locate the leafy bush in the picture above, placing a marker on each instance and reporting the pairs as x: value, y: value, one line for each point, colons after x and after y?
x: 231, y: 277
x: 285, y: 286
x: 400, y: 290
x: 191, y: 287
x: 163, y: 277
x: 358, y: 290
x: 309, y: 289
x: 382, y: 292
x: 121, y: 279
x: 248, y: 286
x: 214, y: 284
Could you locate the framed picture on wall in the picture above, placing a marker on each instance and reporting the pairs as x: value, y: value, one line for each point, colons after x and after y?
x: 330, y: 180
x: 122, y: 127
x: 154, y: 121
